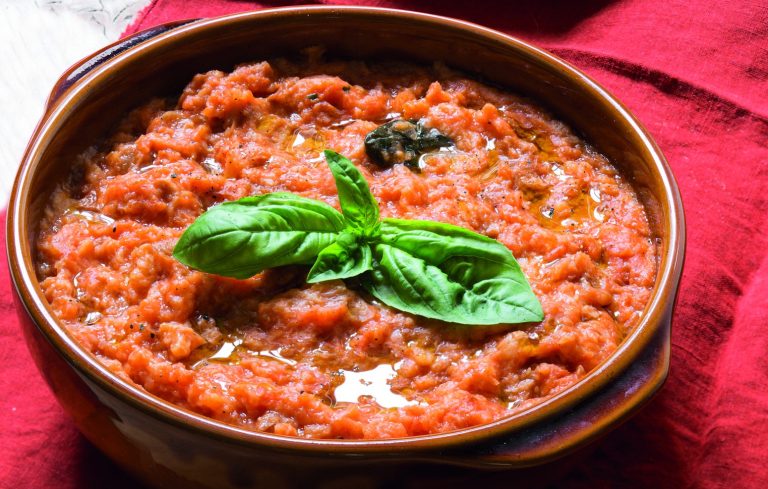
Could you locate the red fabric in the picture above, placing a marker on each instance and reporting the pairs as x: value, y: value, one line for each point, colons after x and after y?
x: 696, y: 73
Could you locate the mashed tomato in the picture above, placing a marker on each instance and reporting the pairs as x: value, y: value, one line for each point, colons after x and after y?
x: 274, y: 354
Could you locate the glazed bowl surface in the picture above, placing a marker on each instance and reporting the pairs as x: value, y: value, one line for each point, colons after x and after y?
x: 168, y: 445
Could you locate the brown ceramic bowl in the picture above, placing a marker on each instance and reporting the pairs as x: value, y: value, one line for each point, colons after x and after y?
x: 170, y: 446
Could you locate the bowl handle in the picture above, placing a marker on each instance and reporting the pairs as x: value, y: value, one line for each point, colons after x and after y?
x: 85, y: 65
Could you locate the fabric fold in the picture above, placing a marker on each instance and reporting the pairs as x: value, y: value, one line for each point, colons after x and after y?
x: 695, y: 74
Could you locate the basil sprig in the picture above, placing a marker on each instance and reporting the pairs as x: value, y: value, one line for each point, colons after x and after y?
x: 427, y: 268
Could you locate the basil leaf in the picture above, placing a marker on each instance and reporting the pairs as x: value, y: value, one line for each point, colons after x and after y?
x: 449, y: 273
x: 240, y: 239
x: 426, y: 268
x: 403, y: 141
x: 343, y: 259
x: 357, y: 203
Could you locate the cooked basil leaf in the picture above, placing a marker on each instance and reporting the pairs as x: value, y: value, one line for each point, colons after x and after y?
x: 402, y: 141
x: 240, y: 239
x: 449, y: 273
x: 346, y: 258
x: 357, y: 203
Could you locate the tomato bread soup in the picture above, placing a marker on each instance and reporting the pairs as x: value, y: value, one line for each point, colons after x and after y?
x: 277, y: 354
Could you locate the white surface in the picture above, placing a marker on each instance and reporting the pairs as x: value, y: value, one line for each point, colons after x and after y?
x: 39, y: 39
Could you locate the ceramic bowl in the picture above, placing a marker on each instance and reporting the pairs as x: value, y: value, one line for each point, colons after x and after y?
x: 168, y: 446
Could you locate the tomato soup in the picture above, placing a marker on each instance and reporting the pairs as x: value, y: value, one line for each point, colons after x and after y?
x: 275, y: 354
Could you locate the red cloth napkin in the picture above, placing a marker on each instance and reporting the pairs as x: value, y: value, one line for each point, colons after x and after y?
x: 696, y: 73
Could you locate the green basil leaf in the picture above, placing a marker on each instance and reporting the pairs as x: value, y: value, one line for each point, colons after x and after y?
x: 426, y: 268
x: 240, y: 239
x: 449, y: 273
x: 343, y: 259
x: 357, y: 203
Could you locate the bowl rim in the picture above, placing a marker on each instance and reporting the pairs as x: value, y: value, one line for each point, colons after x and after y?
x: 24, y: 277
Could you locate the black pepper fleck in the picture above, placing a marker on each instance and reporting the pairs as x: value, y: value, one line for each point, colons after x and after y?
x: 312, y: 96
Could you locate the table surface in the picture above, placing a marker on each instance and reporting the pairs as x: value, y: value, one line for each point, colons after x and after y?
x: 40, y: 39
